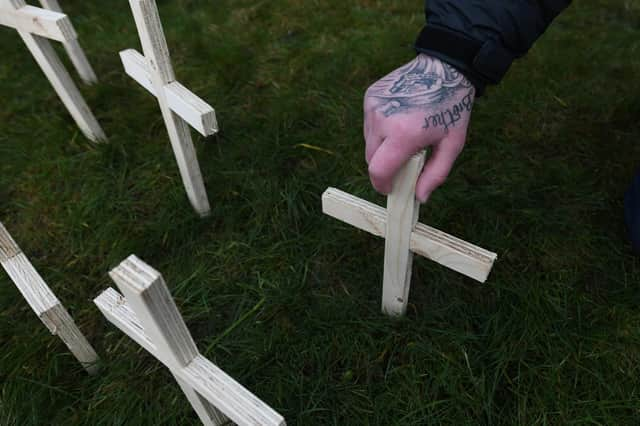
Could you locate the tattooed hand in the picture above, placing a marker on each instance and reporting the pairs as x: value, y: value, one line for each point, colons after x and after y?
x: 424, y: 103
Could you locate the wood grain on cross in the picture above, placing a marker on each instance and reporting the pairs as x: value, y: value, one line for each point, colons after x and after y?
x: 404, y: 236
x: 147, y: 313
x: 43, y: 302
x: 36, y: 26
x: 179, y: 106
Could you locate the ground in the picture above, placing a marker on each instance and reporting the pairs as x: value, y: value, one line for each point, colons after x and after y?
x: 287, y: 300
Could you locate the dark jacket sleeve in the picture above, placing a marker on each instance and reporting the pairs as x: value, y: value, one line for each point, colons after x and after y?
x: 483, y: 37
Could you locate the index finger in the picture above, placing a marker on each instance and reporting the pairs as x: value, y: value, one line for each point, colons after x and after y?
x: 387, y: 161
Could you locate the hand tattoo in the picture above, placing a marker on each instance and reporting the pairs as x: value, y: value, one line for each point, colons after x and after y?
x: 450, y: 116
x: 425, y: 84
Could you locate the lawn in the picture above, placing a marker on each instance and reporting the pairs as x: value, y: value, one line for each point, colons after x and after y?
x: 287, y: 300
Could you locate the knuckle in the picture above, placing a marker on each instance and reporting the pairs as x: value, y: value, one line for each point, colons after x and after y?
x: 371, y: 133
x: 367, y: 96
x: 374, y: 171
x: 368, y: 106
x: 376, y: 174
x: 439, y: 180
x: 369, y: 90
x: 403, y: 129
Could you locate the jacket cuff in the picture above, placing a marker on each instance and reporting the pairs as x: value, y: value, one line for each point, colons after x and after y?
x: 482, y: 63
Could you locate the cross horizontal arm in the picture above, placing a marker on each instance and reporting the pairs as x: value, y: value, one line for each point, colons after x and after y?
x: 42, y: 22
x: 188, y: 106
x: 211, y: 382
x: 447, y: 250
x: 115, y: 308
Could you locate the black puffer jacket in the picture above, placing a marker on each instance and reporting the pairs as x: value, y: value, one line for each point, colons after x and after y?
x: 483, y: 37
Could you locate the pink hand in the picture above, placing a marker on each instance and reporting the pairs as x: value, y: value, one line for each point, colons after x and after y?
x: 424, y: 103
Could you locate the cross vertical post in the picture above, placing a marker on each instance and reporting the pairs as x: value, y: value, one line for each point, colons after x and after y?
x: 35, y: 25
x: 178, y: 105
x: 402, y: 215
x: 404, y: 236
x: 148, y: 314
x: 75, y: 52
x: 146, y: 292
x: 43, y: 302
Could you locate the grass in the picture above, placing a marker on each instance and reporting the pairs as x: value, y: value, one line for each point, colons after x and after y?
x: 287, y: 300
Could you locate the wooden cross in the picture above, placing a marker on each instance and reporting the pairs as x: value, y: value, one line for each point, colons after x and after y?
x: 35, y: 26
x: 405, y: 236
x: 179, y: 106
x: 43, y: 302
x: 148, y: 314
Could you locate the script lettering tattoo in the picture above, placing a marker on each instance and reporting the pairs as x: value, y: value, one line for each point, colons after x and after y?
x: 450, y: 116
x: 425, y: 84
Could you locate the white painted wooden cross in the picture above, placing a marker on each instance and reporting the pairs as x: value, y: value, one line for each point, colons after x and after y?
x: 35, y: 26
x: 43, y: 302
x: 180, y: 107
x: 148, y: 314
x: 398, y: 224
